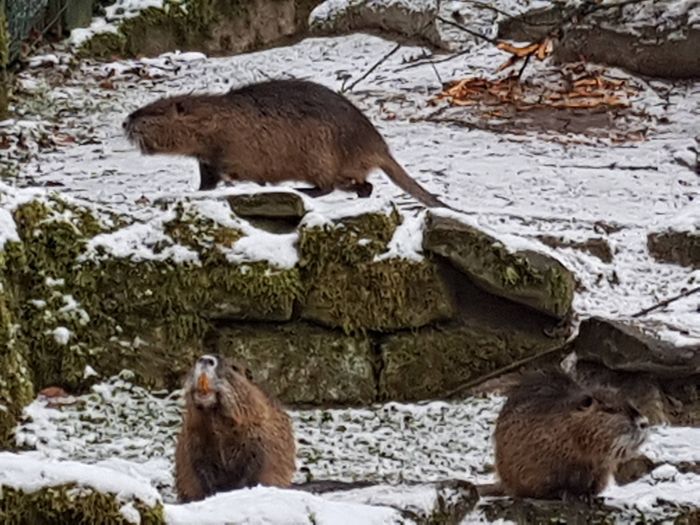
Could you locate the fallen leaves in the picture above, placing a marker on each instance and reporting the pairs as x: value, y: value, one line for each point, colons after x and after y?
x: 590, y: 90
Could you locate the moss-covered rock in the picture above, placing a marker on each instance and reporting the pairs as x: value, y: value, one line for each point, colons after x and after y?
x: 270, y: 205
x: 677, y: 247
x: 432, y: 362
x: 81, y: 307
x: 347, y: 287
x: 211, y: 26
x: 16, y: 387
x: 38, y: 492
x: 524, y: 276
x: 71, y: 504
x: 301, y: 363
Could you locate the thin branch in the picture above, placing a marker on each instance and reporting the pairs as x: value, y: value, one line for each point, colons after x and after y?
x: 666, y: 302
x: 370, y: 70
x: 499, y: 372
x: 467, y: 30
x: 435, y: 62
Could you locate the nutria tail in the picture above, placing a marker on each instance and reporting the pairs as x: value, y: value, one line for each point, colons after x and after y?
x: 404, y: 181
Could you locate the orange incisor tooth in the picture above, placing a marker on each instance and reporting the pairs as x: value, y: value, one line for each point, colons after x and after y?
x: 203, y: 383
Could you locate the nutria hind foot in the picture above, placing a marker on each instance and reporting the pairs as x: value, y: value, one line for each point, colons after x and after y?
x: 208, y: 177
x: 363, y: 189
x: 315, y: 191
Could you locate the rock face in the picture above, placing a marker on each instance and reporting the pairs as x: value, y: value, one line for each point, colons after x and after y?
x: 302, y: 363
x: 211, y: 26
x: 415, y: 20
x: 649, y: 37
x: 338, y: 319
x: 349, y: 289
x: 675, y: 247
x: 622, y: 347
x: 662, y: 379
x: 526, y: 277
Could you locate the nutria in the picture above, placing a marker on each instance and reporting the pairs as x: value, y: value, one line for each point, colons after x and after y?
x: 556, y: 438
x: 233, y: 434
x: 273, y: 131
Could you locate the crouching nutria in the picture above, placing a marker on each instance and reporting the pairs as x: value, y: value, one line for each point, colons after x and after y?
x: 556, y: 438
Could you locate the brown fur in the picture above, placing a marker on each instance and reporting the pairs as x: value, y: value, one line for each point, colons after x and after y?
x: 555, y: 438
x: 271, y: 132
x: 241, y: 439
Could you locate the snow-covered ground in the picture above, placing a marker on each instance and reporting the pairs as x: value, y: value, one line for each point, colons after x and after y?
x: 517, y: 178
x: 124, y: 428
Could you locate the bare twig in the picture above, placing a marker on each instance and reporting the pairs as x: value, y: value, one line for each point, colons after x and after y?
x: 371, y: 69
x: 467, y: 30
x: 498, y: 372
x: 666, y: 302
x: 435, y: 62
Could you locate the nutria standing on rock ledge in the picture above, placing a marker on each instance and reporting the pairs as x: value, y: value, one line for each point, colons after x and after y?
x: 233, y: 435
x: 556, y: 438
x: 274, y: 131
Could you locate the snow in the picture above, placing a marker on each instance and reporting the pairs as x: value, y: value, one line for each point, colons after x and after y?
x: 62, y: 335
x: 114, y: 13
x: 407, y: 242
x: 137, y: 242
x: 269, y: 505
x: 124, y: 428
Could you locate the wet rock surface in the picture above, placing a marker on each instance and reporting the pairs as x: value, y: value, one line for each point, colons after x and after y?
x: 523, y: 276
x: 626, y: 347
x: 411, y: 20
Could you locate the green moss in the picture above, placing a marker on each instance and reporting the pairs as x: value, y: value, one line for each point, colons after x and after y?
x: 349, y: 289
x: 70, y: 504
x: 16, y: 388
x: 123, y: 313
x: 431, y: 362
x: 104, y: 46
x: 299, y: 363
x: 5, y: 79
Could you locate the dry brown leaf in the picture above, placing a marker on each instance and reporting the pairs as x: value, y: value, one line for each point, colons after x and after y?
x: 519, y: 52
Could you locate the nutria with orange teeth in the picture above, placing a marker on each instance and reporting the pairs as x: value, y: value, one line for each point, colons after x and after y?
x: 269, y: 132
x: 233, y: 435
x: 556, y: 438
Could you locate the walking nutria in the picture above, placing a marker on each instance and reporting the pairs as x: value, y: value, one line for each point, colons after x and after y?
x: 233, y: 435
x: 273, y: 131
x: 556, y: 438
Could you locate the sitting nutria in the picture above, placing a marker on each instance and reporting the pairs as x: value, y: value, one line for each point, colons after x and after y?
x: 272, y: 131
x: 556, y: 438
x: 233, y: 435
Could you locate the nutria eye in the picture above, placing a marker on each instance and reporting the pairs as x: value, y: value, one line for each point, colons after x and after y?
x: 586, y: 402
x: 179, y: 107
